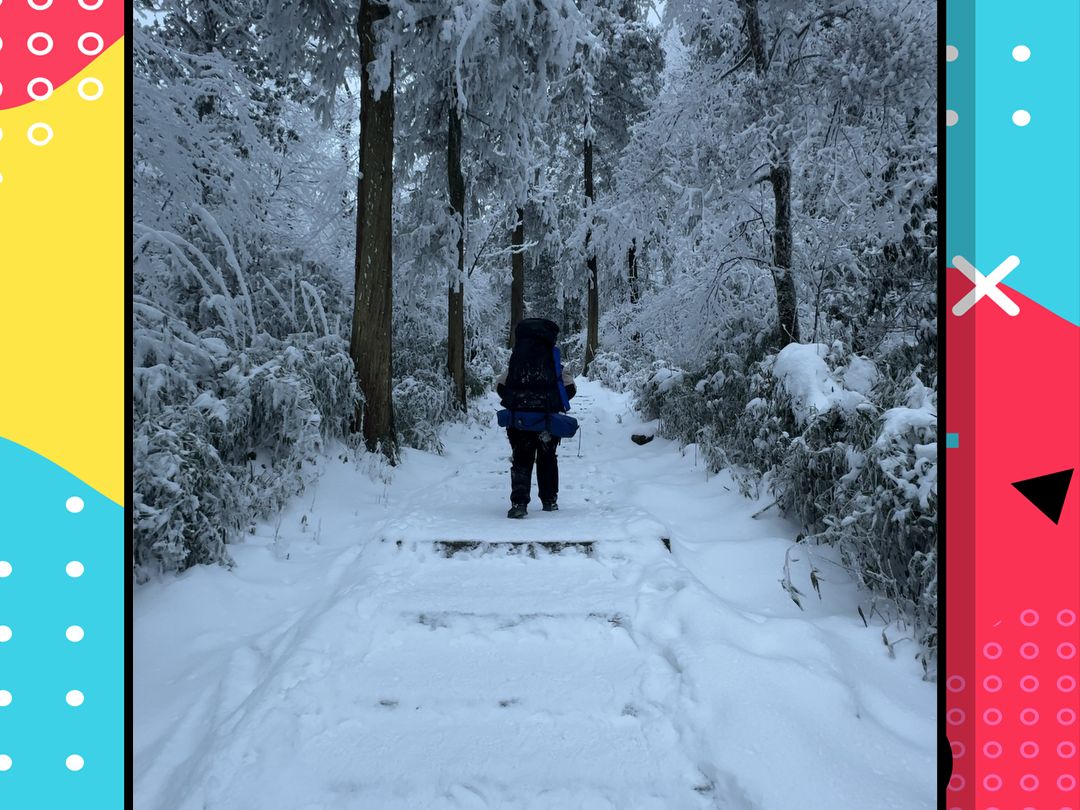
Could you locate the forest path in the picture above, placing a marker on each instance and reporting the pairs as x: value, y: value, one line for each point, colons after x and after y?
x: 379, y: 671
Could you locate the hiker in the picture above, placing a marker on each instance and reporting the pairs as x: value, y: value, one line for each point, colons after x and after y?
x: 535, y: 402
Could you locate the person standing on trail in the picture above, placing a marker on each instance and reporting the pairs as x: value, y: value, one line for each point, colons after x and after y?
x: 536, y: 391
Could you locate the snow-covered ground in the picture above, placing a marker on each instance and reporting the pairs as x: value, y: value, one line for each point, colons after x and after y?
x: 348, y: 662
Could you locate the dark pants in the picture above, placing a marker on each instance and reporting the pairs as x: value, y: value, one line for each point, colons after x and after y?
x: 527, y: 447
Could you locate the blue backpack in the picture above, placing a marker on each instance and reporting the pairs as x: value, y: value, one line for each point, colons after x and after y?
x: 557, y: 424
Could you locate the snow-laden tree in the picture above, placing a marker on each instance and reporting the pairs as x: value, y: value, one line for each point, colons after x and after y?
x: 781, y: 186
x: 241, y: 370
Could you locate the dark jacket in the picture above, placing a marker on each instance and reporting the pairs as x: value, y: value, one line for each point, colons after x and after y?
x: 530, y: 383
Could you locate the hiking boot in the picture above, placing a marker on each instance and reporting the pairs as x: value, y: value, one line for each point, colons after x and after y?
x: 551, y: 506
x: 518, y: 510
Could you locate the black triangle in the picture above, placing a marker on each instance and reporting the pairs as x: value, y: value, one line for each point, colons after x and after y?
x: 1047, y: 492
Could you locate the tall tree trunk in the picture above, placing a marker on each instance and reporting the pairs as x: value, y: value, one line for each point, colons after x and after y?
x: 780, y: 178
x: 783, y: 279
x: 455, y: 181
x: 592, y: 339
x: 631, y: 272
x: 371, y: 343
x: 517, y: 266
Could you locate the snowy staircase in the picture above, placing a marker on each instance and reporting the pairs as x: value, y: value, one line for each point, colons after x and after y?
x: 499, y: 678
x: 529, y: 548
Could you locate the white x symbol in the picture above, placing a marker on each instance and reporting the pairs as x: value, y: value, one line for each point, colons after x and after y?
x: 986, y: 285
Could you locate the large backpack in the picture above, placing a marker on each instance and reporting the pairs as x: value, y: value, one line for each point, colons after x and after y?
x: 532, y: 382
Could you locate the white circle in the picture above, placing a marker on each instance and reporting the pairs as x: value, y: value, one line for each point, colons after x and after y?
x: 1029, y: 782
x: 951, y: 118
x: 74, y: 504
x: 1029, y: 717
x: 1029, y: 618
x: 39, y: 6
x: 83, y: 4
x: 1029, y: 749
x: 74, y: 698
x: 74, y: 633
x: 1066, y: 618
x: 1066, y: 749
x: 1029, y: 683
x: 1066, y: 683
x: 951, y: 54
x: 992, y: 717
x: 40, y: 141
x: 992, y: 782
x: 1021, y: 118
x: 955, y: 717
x: 992, y: 683
x: 5, y: 633
x: 1021, y: 53
x: 5, y: 569
x: 992, y: 749
x: 39, y: 96
x: 5, y: 762
x: 1029, y: 650
x: 74, y: 569
x: 74, y: 763
x: 992, y: 650
x: 39, y: 51
x: 955, y: 683
x: 91, y: 80
x: 95, y: 51
x: 1066, y: 650
x: 5, y: 697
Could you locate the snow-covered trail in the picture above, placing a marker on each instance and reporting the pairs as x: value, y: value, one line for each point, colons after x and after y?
x: 350, y: 661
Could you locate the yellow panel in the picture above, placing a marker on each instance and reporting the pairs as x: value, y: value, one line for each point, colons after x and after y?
x: 62, y: 274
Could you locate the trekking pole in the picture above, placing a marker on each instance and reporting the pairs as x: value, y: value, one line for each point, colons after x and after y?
x: 579, y: 443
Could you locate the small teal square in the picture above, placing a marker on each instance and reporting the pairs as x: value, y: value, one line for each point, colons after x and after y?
x: 952, y: 440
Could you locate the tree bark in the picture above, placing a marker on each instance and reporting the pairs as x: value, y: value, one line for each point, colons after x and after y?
x: 592, y: 339
x: 780, y: 178
x: 455, y: 181
x: 371, y: 343
x: 517, y: 266
x: 786, y: 307
x: 631, y: 272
